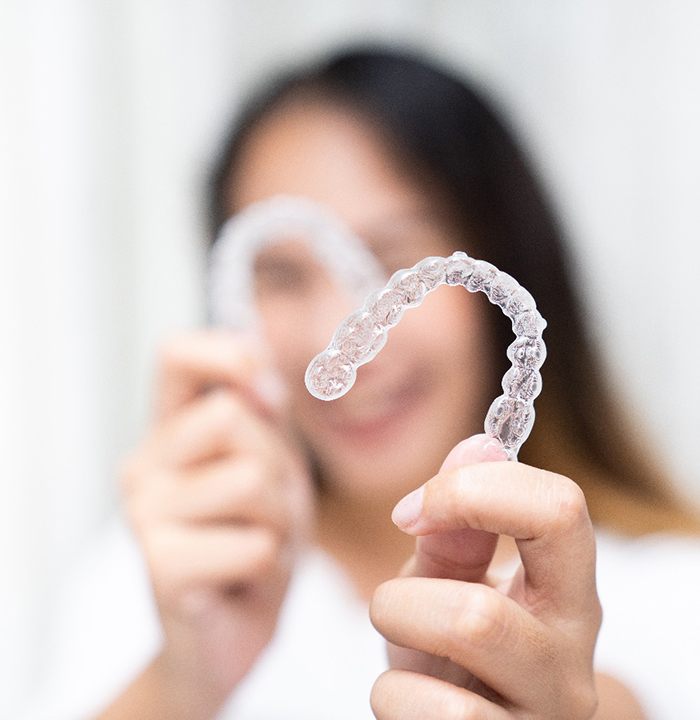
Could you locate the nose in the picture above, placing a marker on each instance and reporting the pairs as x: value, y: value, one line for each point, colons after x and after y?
x: 324, y: 316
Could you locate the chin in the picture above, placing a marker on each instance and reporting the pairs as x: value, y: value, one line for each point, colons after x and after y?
x: 382, y: 473
x: 387, y: 441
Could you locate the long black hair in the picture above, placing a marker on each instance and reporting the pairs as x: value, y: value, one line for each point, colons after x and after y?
x: 443, y: 128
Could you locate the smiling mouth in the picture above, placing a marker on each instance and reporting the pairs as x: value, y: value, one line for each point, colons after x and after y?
x: 376, y: 412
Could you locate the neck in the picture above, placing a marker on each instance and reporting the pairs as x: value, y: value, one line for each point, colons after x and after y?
x: 363, y: 540
x: 360, y: 536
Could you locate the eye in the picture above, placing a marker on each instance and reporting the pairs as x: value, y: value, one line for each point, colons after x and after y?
x: 275, y: 274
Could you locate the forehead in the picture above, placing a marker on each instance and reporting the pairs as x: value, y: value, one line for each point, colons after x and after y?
x: 330, y: 155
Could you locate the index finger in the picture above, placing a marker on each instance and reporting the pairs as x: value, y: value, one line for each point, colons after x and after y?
x: 546, y: 513
x: 195, y: 362
x: 463, y: 554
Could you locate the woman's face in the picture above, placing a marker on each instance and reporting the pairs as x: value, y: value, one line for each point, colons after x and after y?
x: 428, y: 388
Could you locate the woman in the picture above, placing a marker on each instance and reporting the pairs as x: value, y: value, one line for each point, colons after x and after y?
x: 245, y: 477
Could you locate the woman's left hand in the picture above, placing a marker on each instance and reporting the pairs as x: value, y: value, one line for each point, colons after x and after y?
x: 466, y: 644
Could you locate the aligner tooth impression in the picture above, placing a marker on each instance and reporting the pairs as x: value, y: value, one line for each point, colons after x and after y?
x: 359, y: 338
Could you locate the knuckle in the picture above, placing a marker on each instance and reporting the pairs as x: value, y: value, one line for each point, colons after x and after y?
x: 263, y: 551
x: 457, y: 706
x: 247, y: 485
x: 391, y: 697
x: 583, y: 698
x: 480, y: 622
x: 246, y: 491
x: 250, y: 473
x: 172, y: 349
x: 598, y: 612
x: 568, y: 503
x: 594, y: 614
x: 223, y: 405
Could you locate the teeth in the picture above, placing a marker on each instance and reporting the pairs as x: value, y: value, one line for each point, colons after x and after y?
x: 330, y: 375
x: 357, y: 341
x: 363, y: 334
x: 458, y: 269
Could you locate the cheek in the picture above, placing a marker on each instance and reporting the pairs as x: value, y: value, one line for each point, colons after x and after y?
x: 448, y: 336
x: 452, y: 331
x: 452, y: 334
x: 297, y: 328
x: 287, y: 337
x: 450, y: 326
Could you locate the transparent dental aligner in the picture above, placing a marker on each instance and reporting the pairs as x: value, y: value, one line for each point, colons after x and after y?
x: 359, y: 338
x: 231, y: 262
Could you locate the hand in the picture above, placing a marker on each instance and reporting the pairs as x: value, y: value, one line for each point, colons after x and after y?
x: 466, y: 644
x: 220, y: 503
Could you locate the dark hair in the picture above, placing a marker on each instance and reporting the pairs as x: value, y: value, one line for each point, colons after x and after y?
x: 450, y: 134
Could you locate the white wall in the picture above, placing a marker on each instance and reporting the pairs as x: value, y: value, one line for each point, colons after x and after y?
x: 108, y: 114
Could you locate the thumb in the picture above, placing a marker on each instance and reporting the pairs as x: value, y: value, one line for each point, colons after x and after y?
x: 475, y: 449
x: 458, y: 554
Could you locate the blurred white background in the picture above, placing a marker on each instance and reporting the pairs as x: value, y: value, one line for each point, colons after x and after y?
x: 109, y: 114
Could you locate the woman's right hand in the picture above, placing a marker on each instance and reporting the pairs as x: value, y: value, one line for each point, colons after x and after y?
x: 220, y: 502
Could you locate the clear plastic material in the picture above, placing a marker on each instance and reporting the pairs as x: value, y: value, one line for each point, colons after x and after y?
x: 359, y: 338
x: 363, y: 334
x: 268, y: 222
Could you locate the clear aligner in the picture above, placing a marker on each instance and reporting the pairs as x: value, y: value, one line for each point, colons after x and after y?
x: 359, y: 338
x: 268, y: 222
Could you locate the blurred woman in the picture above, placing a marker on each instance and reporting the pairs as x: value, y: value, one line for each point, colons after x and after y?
x: 264, y: 515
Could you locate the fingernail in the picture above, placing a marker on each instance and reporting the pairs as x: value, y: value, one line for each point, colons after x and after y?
x: 493, y: 449
x: 408, y: 509
x: 475, y: 449
x: 270, y: 388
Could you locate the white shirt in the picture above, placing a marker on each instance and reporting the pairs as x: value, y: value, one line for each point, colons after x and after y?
x: 650, y: 639
x: 326, y: 654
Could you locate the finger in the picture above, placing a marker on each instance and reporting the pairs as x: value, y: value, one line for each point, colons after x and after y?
x: 216, y: 424
x: 477, y: 628
x: 192, y: 363
x: 546, y: 514
x: 221, y: 557
x: 403, y: 695
x: 245, y: 490
x: 463, y: 554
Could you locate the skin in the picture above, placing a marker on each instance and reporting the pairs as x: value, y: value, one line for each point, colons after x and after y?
x: 383, y: 438
x: 398, y: 220
x: 220, y: 494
